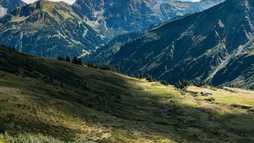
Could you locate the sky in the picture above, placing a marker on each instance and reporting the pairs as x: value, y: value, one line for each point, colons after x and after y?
x: 68, y: 1
x: 191, y: 0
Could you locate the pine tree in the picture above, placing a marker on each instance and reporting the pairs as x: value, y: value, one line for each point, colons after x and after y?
x: 60, y: 58
x: 67, y: 59
x: 79, y: 62
x: 75, y: 60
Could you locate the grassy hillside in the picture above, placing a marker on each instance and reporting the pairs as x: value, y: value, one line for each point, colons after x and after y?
x: 49, y: 100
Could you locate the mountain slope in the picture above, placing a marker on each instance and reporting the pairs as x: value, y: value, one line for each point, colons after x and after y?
x: 8, y: 5
x: 48, y: 29
x: 194, y: 47
x: 67, y: 102
x: 240, y: 69
x: 109, y: 49
x: 117, y: 17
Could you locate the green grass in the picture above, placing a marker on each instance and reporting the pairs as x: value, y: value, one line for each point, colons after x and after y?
x: 49, y: 99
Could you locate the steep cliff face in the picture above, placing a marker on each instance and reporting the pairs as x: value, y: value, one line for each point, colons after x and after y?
x: 195, y: 47
x: 48, y: 29
x: 114, y: 17
x: 8, y: 5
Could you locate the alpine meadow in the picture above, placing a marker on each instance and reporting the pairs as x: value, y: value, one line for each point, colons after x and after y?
x: 127, y: 71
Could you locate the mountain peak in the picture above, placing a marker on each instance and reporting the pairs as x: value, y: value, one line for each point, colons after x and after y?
x: 43, y: 9
x: 49, y: 29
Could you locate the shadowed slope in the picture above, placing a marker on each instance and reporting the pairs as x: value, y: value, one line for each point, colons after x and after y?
x: 71, y: 102
x: 195, y: 47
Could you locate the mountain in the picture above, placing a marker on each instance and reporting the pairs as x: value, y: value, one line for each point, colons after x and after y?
x: 55, y: 28
x: 48, y: 29
x: 195, y: 47
x: 114, y: 17
x: 8, y: 5
x: 48, y: 100
x: 112, y: 47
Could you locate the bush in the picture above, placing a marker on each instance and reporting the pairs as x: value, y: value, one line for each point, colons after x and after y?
x: 149, y: 78
x: 164, y: 82
x: 2, y: 127
x: 210, y: 99
x: 182, y: 84
x: 199, y: 84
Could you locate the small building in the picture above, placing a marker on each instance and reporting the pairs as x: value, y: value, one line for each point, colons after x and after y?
x: 204, y: 92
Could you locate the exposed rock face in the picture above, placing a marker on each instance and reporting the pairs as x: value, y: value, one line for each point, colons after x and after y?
x: 114, y: 17
x: 8, y: 5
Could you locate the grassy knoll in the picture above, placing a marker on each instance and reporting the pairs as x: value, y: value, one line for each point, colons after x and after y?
x: 55, y: 101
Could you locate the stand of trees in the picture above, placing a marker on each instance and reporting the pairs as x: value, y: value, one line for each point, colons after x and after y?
x: 102, y: 67
x: 75, y: 60
x: 9, y: 48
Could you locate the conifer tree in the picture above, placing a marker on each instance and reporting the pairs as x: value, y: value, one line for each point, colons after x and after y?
x: 67, y: 59
x: 60, y: 58
x: 79, y: 61
x: 75, y: 60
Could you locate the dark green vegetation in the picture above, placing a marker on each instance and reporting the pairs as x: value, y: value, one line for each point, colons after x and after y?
x: 48, y: 29
x: 8, y: 5
x: 51, y: 100
x: 209, y: 46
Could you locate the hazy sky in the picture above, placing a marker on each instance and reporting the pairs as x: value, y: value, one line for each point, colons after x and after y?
x: 68, y: 1
x: 191, y: 0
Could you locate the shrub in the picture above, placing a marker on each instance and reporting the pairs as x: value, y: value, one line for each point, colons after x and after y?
x: 182, y: 84
x: 2, y: 127
x: 149, y: 78
x: 210, y: 99
x: 164, y: 82
x: 199, y: 84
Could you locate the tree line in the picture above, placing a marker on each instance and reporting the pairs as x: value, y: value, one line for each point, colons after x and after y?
x: 75, y: 60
